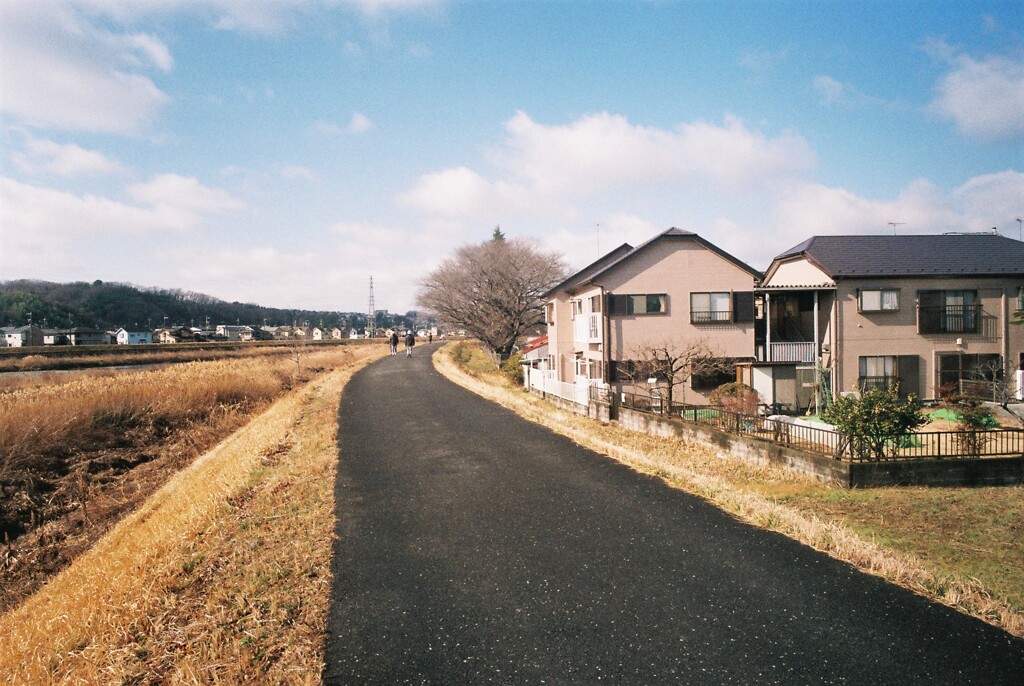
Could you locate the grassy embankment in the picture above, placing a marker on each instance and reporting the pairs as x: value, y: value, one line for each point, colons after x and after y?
x: 959, y: 546
x: 221, y: 576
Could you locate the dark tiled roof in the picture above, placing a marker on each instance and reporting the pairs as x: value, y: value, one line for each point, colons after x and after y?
x: 972, y: 254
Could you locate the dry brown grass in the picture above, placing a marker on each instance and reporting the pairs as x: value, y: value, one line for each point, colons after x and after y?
x: 222, y: 576
x: 745, y: 490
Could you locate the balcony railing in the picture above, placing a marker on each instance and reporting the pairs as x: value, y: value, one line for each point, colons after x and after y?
x: 587, y: 328
x: 867, y: 383
x: 948, y: 319
x: 710, y: 316
x: 792, y: 352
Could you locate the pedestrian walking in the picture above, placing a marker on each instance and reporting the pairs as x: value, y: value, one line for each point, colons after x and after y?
x: 430, y: 337
x: 410, y: 341
x: 394, y: 342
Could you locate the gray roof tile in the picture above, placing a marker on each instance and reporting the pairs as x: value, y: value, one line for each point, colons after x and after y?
x: 961, y: 254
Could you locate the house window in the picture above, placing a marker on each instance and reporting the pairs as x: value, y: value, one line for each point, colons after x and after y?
x: 595, y: 303
x: 976, y: 369
x: 577, y: 308
x: 638, y: 304
x: 713, y: 376
x: 878, y: 371
x: 948, y: 312
x: 549, y: 310
x: 710, y: 307
x: 879, y: 300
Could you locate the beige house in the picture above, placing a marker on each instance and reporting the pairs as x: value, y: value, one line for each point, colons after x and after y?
x: 675, y: 289
x: 933, y: 313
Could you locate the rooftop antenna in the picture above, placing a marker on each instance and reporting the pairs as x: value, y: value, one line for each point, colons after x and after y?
x: 1020, y: 231
x: 598, y: 225
x: 371, y: 314
x: 894, y: 225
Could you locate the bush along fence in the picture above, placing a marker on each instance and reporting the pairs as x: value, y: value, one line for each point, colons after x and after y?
x: 955, y: 458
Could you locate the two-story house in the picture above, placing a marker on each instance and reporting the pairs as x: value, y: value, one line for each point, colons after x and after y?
x: 676, y: 288
x: 930, y: 312
x: 126, y: 337
x: 23, y: 336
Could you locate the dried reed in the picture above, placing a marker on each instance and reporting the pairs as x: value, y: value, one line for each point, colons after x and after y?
x: 221, y: 576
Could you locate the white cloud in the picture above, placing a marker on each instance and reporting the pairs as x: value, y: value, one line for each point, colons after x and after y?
x: 546, y: 169
x: 292, y: 172
x: 157, y: 52
x: 991, y: 200
x: 266, y: 17
x: 359, y: 123
x: 166, y: 203
x: 82, y: 77
x: 184, y: 193
x: 47, y: 157
x: 983, y: 97
x: 808, y: 209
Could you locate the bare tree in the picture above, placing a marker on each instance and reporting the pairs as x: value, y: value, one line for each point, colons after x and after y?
x: 674, y: 362
x: 1001, y: 388
x: 492, y: 289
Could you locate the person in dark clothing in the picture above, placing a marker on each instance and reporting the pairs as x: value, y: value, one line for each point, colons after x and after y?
x: 410, y: 341
x: 394, y: 342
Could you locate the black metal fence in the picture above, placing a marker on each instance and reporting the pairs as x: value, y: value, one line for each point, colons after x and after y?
x: 925, y: 445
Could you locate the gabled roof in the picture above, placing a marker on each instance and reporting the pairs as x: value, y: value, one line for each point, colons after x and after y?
x: 585, y: 274
x: 959, y: 254
x: 625, y: 252
x: 535, y: 344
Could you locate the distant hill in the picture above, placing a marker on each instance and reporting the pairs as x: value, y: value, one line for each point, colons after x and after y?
x: 112, y: 305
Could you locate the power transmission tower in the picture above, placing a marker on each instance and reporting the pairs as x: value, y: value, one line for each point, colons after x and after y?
x: 371, y: 315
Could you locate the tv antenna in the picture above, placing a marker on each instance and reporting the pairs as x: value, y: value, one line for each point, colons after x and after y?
x: 598, y: 226
x: 894, y: 225
x: 1020, y: 230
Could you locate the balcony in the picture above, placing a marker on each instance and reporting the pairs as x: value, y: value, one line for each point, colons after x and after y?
x: 587, y: 328
x: 791, y: 352
x: 948, y: 319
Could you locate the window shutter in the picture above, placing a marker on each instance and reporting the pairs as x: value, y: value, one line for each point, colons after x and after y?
x: 743, y: 306
x: 617, y: 304
x: 908, y: 369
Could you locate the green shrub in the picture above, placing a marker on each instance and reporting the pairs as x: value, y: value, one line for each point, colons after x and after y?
x: 973, y: 420
x: 513, y: 370
x: 876, y: 423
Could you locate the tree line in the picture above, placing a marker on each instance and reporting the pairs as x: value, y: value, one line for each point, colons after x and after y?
x: 106, y: 305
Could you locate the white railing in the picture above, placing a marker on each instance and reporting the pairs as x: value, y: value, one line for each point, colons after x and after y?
x: 792, y: 352
x: 544, y: 381
x: 587, y: 328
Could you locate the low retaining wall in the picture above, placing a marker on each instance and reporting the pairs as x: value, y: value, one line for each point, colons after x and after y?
x: 990, y: 471
x: 742, y: 447
x: 996, y: 471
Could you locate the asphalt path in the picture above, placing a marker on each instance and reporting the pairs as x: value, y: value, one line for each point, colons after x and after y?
x: 475, y: 547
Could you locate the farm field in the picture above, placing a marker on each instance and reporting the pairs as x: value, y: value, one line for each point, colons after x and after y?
x: 222, y: 574
x: 80, y: 449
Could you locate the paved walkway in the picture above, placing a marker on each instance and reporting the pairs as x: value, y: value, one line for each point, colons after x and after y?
x: 475, y: 547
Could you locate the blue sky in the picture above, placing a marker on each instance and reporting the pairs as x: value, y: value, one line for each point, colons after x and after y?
x: 283, y: 152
